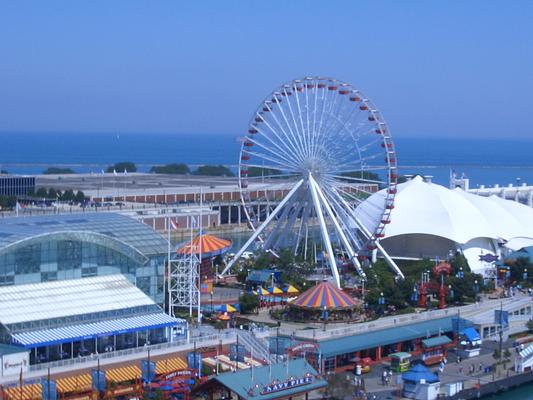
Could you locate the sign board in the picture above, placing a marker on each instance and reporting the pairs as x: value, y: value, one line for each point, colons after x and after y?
x: 291, y: 383
x: 14, y: 362
x: 147, y: 370
x: 98, y: 378
x: 48, y: 389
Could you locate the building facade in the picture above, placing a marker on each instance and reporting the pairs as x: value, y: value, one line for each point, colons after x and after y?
x: 11, y: 185
x: 58, y: 247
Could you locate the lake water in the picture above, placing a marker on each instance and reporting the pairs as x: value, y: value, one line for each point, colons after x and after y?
x: 486, y: 162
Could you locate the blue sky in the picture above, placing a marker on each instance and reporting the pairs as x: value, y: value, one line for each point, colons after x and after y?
x: 434, y: 68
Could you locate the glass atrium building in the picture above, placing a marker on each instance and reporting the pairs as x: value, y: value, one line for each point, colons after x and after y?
x: 70, y: 246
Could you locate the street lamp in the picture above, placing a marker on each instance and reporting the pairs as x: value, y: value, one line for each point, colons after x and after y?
x: 414, y: 296
x: 450, y: 291
x: 476, y: 287
x: 325, y: 317
x: 212, y: 308
x: 525, y: 274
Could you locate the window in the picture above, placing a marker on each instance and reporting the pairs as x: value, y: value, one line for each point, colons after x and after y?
x: 28, y: 259
x: 68, y: 255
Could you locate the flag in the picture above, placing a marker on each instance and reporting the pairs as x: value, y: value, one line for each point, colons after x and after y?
x: 174, y: 224
x: 125, y: 172
x: 18, y: 207
x: 115, y: 172
x: 102, y: 171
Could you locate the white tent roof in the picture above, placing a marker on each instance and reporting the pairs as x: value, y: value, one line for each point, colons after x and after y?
x: 40, y: 301
x: 428, y: 208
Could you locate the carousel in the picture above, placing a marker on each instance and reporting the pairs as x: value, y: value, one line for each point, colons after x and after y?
x: 324, y: 302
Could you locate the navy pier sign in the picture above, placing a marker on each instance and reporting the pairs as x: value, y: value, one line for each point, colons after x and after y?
x: 291, y: 383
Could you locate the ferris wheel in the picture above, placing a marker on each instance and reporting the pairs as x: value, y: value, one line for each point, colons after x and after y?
x: 315, y: 149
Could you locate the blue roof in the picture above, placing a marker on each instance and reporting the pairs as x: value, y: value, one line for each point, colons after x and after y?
x: 67, y: 334
x: 436, y: 341
x: 266, y: 376
x: 368, y: 340
x: 419, y: 372
x: 110, y: 225
x: 471, y: 334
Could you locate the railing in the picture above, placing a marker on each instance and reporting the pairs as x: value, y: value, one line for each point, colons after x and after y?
x: 392, y: 321
x: 120, y: 353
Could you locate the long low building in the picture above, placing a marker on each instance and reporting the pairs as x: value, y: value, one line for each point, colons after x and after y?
x: 79, y: 317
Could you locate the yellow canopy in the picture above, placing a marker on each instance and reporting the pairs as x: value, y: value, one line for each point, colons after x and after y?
x: 292, y: 290
x: 276, y: 290
x: 262, y: 292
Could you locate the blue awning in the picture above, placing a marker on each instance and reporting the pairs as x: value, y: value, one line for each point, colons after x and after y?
x: 93, y: 330
x: 471, y: 334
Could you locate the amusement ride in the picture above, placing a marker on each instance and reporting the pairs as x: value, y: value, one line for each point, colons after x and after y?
x: 328, y: 148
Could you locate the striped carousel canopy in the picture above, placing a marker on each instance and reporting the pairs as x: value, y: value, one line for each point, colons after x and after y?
x: 323, y: 295
x: 208, y: 245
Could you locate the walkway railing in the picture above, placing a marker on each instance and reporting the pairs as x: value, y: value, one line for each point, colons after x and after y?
x: 224, y: 335
x: 387, y: 322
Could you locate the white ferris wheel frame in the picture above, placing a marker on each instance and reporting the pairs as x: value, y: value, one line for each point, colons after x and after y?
x: 293, y: 140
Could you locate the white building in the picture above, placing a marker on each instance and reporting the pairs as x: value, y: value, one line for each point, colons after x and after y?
x: 430, y: 221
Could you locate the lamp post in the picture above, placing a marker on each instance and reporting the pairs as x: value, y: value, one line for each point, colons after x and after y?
x: 414, y: 296
x: 524, y: 275
x: 450, y: 291
x: 212, y: 308
x: 325, y: 317
x: 476, y: 287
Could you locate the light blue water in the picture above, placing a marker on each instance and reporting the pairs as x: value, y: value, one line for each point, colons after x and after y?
x: 486, y: 162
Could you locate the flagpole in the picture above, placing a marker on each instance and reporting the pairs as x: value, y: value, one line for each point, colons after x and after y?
x: 191, y: 255
x: 168, y: 269
x: 200, y: 251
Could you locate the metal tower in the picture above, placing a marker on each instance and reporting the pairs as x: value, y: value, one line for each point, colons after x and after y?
x: 184, y: 283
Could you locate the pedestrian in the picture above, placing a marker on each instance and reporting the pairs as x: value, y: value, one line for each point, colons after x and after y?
x: 480, y: 367
x: 461, y: 369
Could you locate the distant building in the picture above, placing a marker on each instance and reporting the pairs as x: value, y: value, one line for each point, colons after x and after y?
x: 13, y: 185
x: 70, y: 246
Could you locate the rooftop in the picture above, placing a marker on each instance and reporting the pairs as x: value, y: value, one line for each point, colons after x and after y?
x: 127, y: 230
x: 41, y: 301
x: 269, y: 382
x: 353, y: 343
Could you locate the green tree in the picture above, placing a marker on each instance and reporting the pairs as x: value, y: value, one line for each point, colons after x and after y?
x: 57, y: 170
x: 122, y: 166
x: 68, y: 195
x: 7, y: 202
x: 41, y: 193
x: 53, y: 193
x: 248, y: 303
x: 213, y: 170
x: 80, y: 196
x: 176, y: 169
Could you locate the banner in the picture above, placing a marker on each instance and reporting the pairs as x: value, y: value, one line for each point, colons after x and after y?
x: 147, y: 370
x: 98, y: 378
x: 501, y: 318
x: 458, y: 324
x: 195, y: 364
x: 48, y: 389
x: 237, y: 353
